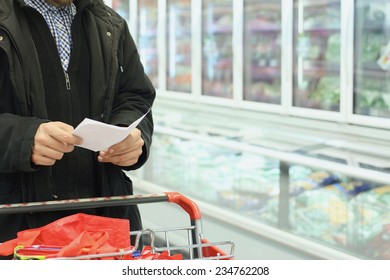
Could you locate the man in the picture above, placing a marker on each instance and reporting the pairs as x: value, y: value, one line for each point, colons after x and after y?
x: 60, y: 62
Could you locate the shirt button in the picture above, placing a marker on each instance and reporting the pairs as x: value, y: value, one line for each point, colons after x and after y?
x: 1, y: 38
x: 60, y: 26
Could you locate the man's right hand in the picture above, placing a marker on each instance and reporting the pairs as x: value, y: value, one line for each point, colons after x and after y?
x: 51, y: 141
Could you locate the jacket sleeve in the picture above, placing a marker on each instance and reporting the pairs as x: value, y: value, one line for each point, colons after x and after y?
x: 16, y: 140
x: 135, y: 94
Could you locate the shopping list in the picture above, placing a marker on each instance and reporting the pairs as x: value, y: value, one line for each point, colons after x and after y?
x: 98, y: 136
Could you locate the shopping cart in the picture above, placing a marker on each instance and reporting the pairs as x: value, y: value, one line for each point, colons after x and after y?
x: 196, y: 246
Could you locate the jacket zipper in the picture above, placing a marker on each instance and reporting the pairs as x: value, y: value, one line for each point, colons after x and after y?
x: 67, y: 82
x: 67, y: 79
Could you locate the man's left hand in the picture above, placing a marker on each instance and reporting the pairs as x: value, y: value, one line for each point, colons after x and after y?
x: 126, y: 152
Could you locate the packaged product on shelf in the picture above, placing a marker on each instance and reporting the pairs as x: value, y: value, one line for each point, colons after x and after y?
x: 307, y: 47
x: 225, y: 22
x: 384, y: 59
x: 323, y: 20
x: 324, y: 213
x: 269, y: 211
x: 375, y: 17
x: 263, y: 91
x: 372, y: 94
x: 248, y: 204
x: 372, y: 44
x: 256, y: 175
x: 256, y: 179
x: 349, y: 188
x: 371, y: 217
x: 333, y: 49
x: 303, y: 178
x: 321, y: 214
x: 327, y: 91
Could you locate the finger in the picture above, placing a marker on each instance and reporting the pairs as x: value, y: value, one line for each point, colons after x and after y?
x: 125, y: 159
x: 113, y: 153
x: 124, y: 147
x: 42, y: 160
x: 63, y: 126
x: 50, y: 142
x: 120, y: 148
x: 47, y: 152
x: 63, y: 133
x: 127, y: 143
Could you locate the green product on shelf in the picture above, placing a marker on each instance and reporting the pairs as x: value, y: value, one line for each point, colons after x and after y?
x: 327, y: 92
x: 333, y: 50
x: 372, y: 44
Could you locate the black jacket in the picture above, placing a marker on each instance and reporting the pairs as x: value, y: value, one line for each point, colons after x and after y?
x: 121, y: 93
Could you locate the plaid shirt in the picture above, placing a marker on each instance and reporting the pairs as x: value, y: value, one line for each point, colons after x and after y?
x: 59, y: 21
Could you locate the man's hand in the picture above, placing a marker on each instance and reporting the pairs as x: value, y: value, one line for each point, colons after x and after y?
x: 125, y: 153
x: 51, y: 141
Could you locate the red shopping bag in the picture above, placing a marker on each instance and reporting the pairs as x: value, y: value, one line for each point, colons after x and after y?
x: 76, y: 235
x: 148, y: 254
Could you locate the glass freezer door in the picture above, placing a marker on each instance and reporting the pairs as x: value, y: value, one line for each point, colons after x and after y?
x: 317, y: 54
x: 179, y: 41
x: 372, y: 58
x: 217, y: 48
x: 147, y: 37
x: 262, y: 51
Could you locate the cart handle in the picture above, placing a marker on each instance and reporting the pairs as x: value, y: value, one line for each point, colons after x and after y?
x: 73, y: 204
x: 187, y: 204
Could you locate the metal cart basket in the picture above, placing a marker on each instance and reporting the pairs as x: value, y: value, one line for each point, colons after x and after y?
x: 196, y: 247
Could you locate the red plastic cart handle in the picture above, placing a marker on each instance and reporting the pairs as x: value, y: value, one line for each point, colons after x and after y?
x: 187, y: 204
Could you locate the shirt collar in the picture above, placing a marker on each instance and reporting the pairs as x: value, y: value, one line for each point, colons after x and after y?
x: 42, y: 6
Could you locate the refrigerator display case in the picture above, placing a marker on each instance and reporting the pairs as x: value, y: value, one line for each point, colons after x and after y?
x: 372, y: 58
x: 327, y: 190
x: 262, y: 51
x: 317, y: 48
x: 179, y: 46
x: 217, y: 48
x: 147, y: 15
x: 325, y: 59
x: 265, y: 145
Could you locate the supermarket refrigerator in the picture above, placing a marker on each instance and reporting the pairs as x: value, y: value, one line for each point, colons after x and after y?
x: 315, y: 59
x: 371, y: 80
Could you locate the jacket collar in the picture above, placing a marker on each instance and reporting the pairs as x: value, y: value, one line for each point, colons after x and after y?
x: 7, y: 7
